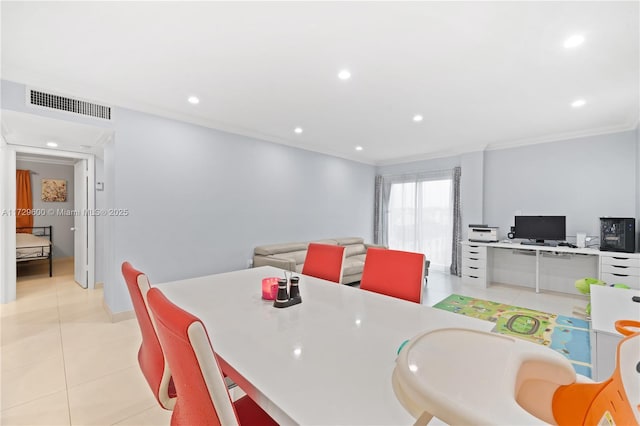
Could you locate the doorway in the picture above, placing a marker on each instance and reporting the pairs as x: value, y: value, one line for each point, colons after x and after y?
x: 84, y: 221
x: 59, y: 197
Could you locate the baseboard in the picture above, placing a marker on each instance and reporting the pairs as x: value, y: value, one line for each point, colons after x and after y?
x: 98, y: 285
x: 118, y: 316
x: 63, y: 259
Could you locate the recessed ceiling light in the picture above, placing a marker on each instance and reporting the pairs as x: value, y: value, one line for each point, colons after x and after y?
x: 52, y: 144
x: 573, y: 41
x: 193, y: 100
x: 359, y: 148
x: 298, y: 130
x: 344, y: 75
x: 417, y: 118
x: 578, y: 103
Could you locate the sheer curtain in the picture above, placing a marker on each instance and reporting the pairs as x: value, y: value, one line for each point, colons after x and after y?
x: 456, y: 255
x: 415, y: 213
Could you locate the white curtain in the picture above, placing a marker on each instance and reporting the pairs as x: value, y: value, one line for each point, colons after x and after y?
x: 417, y: 214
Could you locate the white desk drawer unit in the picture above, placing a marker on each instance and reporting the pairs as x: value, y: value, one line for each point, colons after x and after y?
x: 474, y: 265
x: 474, y: 271
x: 475, y: 252
x: 620, y: 268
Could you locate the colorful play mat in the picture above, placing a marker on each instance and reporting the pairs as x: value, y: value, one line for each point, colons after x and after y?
x: 567, y: 335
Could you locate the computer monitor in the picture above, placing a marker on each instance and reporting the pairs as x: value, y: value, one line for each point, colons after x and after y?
x: 541, y: 228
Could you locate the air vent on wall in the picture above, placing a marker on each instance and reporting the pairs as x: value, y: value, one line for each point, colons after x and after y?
x: 62, y: 103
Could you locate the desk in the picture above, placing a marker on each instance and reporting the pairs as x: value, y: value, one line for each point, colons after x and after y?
x: 327, y: 361
x: 478, y: 267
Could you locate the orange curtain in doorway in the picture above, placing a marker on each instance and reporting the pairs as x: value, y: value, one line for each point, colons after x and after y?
x: 24, y: 200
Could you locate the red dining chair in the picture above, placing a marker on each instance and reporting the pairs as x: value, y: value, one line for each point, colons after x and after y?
x: 150, y: 356
x: 203, y: 396
x: 394, y: 273
x: 324, y: 261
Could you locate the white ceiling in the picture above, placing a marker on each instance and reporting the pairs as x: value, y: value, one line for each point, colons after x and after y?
x: 32, y: 130
x: 483, y: 74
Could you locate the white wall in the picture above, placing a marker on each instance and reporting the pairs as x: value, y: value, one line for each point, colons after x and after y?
x: 100, y: 221
x: 8, y: 222
x: 583, y: 179
x: 61, y: 224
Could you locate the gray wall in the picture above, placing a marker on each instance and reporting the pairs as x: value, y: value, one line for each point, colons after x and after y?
x: 638, y: 188
x: 471, y: 189
x: 583, y: 179
x: 62, y: 234
x: 200, y: 200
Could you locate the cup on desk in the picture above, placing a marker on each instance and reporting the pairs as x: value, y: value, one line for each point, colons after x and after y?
x: 269, y: 288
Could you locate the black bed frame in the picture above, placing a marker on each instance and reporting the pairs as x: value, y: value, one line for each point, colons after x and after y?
x: 44, y: 231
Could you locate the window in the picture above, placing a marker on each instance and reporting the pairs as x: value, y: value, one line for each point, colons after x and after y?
x: 420, y: 219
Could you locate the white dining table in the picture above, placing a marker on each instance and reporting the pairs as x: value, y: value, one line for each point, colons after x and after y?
x: 326, y: 361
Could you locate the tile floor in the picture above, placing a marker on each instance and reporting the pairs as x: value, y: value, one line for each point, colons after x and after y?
x: 63, y: 362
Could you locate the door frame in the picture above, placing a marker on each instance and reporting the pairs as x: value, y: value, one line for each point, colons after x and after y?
x: 80, y: 222
x: 7, y: 222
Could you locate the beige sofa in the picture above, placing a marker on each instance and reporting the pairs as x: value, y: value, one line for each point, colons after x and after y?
x: 290, y: 256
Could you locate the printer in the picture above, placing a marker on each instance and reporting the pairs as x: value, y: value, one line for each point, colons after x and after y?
x: 483, y: 234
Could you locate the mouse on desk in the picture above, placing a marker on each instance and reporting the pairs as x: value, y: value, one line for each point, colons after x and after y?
x: 567, y: 245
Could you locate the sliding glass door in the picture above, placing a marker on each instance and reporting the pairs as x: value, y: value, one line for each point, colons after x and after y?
x: 421, y: 219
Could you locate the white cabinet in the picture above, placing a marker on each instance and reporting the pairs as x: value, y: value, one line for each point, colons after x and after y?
x: 609, y: 305
x: 483, y: 263
x: 620, y: 268
x: 475, y: 270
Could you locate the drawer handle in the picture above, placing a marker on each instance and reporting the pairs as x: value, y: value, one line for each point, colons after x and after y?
x: 620, y: 275
x: 620, y: 266
x: 473, y: 276
x: 473, y: 267
x: 473, y: 258
x: 474, y: 252
x: 620, y: 258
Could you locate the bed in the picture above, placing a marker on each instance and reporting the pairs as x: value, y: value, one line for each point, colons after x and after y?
x: 36, y: 245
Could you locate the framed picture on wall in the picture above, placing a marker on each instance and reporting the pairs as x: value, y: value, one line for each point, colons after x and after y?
x: 54, y: 190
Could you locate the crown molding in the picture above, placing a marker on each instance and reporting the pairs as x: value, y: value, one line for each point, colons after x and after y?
x: 115, y: 99
x: 46, y: 160
x: 467, y: 149
x: 558, y: 137
x: 118, y: 101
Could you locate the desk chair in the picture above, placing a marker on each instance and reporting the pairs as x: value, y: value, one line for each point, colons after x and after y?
x: 324, y: 261
x: 394, y: 273
x: 203, y: 397
x: 150, y: 356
